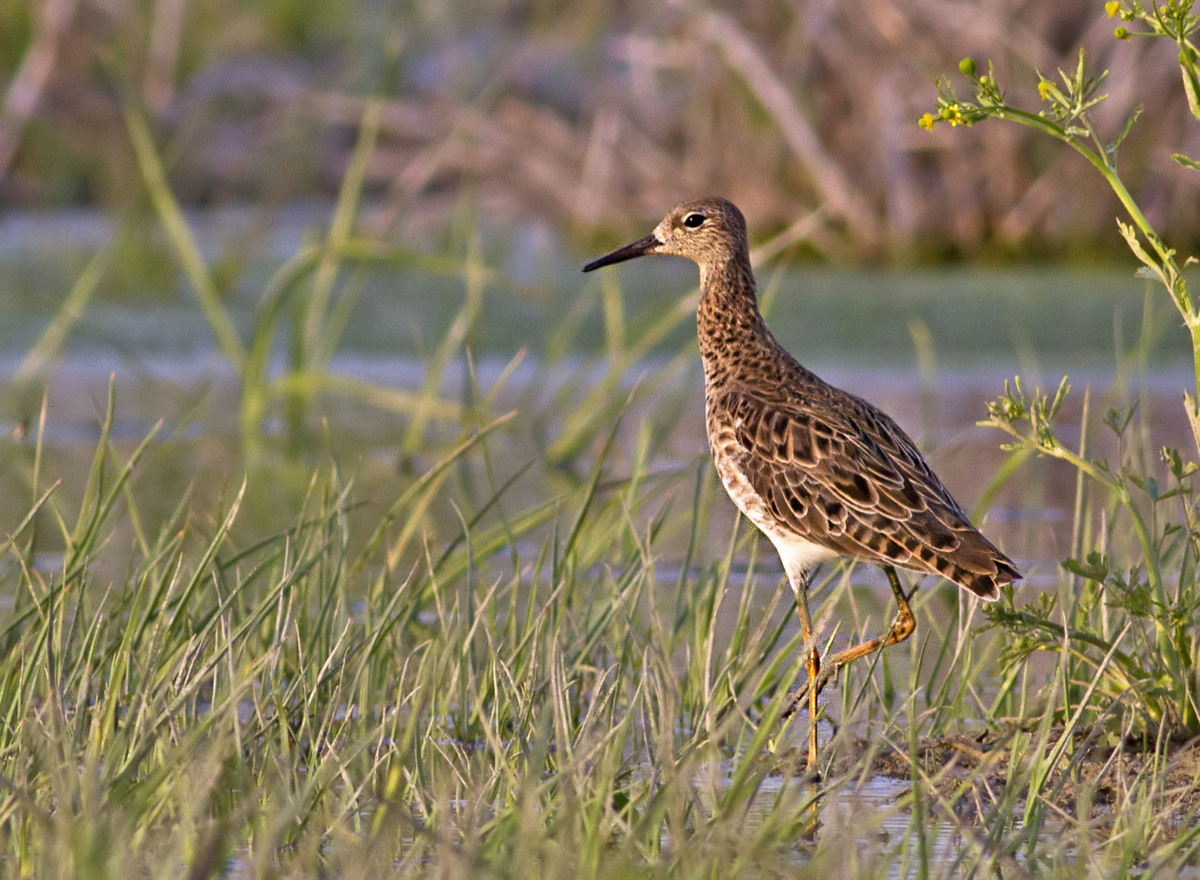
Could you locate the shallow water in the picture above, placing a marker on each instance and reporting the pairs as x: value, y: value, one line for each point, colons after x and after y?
x: 197, y: 399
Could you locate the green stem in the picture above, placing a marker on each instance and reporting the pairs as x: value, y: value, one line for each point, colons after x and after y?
x: 1118, y: 487
x: 1163, y: 262
x: 170, y: 215
x: 1130, y: 668
x: 1109, y: 172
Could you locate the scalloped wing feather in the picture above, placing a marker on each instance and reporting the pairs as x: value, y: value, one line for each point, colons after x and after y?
x: 844, y: 476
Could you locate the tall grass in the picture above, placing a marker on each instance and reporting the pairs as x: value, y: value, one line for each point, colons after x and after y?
x: 286, y: 705
x: 300, y: 296
x: 534, y: 697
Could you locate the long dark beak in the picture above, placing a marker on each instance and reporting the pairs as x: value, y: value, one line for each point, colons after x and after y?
x: 634, y: 249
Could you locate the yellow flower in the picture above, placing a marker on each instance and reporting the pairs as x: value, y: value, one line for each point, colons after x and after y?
x: 1121, y: 34
x: 926, y: 122
x: 1044, y: 90
x: 952, y: 115
x: 1112, y: 8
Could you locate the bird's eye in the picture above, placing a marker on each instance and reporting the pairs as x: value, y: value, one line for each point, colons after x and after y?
x: 692, y: 221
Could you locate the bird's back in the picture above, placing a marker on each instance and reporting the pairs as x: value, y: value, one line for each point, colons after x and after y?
x: 824, y: 473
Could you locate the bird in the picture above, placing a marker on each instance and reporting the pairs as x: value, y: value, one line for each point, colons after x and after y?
x: 821, y: 472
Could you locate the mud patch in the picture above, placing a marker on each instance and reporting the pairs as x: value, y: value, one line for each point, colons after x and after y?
x: 972, y: 776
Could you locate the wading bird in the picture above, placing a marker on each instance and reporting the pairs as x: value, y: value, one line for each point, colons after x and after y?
x: 822, y: 473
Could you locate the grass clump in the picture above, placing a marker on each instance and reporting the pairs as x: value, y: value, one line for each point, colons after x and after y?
x: 291, y: 706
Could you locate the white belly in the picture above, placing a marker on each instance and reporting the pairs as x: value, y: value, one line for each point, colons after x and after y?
x: 796, y: 553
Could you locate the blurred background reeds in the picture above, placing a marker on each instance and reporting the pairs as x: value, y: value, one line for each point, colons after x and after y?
x: 592, y: 116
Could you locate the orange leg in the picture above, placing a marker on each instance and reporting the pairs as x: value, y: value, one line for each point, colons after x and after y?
x: 819, y: 674
x: 812, y: 665
x: 903, y: 627
x: 814, y: 671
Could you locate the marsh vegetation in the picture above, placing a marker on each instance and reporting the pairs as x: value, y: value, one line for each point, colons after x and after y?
x: 273, y: 604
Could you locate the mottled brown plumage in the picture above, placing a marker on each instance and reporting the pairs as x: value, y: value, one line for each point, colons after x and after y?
x: 821, y: 472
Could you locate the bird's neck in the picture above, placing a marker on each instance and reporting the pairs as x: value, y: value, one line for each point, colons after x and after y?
x: 730, y: 327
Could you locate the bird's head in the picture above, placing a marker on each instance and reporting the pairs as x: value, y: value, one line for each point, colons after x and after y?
x: 707, y: 231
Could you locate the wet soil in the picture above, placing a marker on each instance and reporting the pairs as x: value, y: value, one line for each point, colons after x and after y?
x: 969, y: 775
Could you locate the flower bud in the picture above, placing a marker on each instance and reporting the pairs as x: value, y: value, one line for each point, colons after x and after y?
x: 967, y: 66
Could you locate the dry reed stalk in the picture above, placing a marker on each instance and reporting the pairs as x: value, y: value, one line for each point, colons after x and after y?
x: 25, y: 90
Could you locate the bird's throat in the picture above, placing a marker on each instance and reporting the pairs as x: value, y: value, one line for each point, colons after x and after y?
x: 729, y: 325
